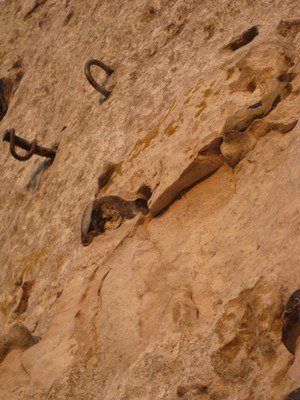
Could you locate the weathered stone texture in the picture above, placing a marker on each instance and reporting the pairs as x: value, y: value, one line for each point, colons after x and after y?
x: 184, y: 302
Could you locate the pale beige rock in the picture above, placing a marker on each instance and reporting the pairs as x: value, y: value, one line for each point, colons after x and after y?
x: 236, y: 146
x: 185, y: 303
x: 199, y: 168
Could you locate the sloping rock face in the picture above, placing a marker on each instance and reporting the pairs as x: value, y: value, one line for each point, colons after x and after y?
x: 183, y: 299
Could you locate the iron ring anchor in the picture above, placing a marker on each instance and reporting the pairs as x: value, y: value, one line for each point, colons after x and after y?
x: 89, y: 77
x: 31, y: 147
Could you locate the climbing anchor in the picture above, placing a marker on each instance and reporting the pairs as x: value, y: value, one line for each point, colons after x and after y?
x: 31, y: 147
x: 87, y: 71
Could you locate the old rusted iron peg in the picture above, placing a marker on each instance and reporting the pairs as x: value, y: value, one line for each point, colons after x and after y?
x: 31, y: 147
x: 87, y: 70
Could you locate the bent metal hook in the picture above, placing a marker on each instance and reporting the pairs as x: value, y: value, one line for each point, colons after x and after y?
x: 89, y: 77
x: 31, y: 147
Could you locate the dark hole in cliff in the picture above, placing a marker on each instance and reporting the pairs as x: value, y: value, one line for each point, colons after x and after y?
x: 5, y: 91
x: 295, y: 395
x: 251, y: 86
x: 145, y: 192
x: 287, y: 77
x: 256, y: 105
x: 245, y: 38
x: 212, y: 148
x: 142, y: 206
x: 276, y: 101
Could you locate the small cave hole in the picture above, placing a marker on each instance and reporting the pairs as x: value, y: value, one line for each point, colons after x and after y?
x: 251, y: 86
x: 5, y: 92
x: 287, y: 77
x: 256, y: 105
x: 151, y: 10
x: 142, y: 205
x: 145, y: 191
x: 181, y: 391
x: 245, y: 38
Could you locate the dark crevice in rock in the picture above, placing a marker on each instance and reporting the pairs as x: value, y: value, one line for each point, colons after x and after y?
x: 242, y: 40
x: 23, y: 303
x: 104, y: 178
x: 291, y: 322
x: 5, y: 93
x: 258, y: 104
x: 251, y: 86
x: 295, y: 395
x: 211, y: 148
x: 8, y: 87
x: 145, y: 192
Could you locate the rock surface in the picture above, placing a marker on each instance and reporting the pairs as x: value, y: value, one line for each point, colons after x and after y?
x: 185, y: 302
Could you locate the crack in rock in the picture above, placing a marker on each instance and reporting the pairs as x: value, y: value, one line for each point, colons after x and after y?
x: 205, y: 163
x: 244, y: 39
x: 239, y: 135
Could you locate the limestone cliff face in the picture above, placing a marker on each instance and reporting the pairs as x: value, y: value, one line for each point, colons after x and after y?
x: 186, y: 301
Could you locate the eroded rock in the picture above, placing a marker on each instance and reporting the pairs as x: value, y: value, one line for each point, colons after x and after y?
x: 108, y: 213
x: 261, y: 66
x: 200, y: 167
x: 244, y: 39
x: 237, y: 139
x: 18, y: 337
x: 248, y: 332
x: 289, y: 28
